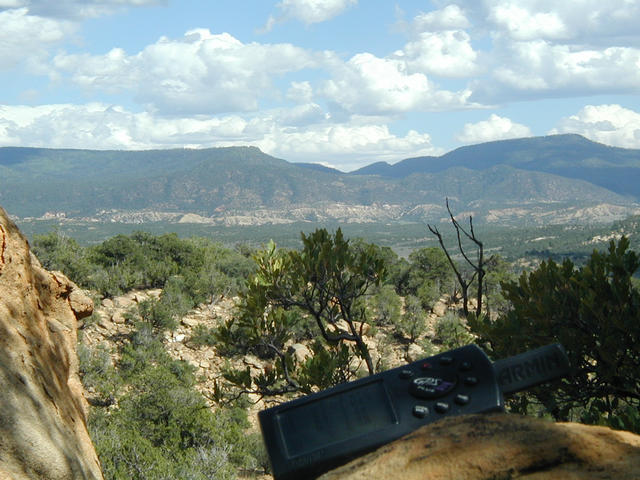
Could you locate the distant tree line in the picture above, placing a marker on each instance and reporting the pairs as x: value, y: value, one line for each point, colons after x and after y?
x: 189, y: 271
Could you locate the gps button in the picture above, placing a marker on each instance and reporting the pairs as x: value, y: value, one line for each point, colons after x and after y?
x: 446, y: 360
x: 471, y: 381
x: 420, y: 411
x: 405, y: 373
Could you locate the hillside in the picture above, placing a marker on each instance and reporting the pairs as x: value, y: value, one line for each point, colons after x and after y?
x: 571, y: 156
x: 526, y: 181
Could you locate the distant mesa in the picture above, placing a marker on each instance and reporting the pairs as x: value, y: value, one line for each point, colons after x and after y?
x: 529, y: 181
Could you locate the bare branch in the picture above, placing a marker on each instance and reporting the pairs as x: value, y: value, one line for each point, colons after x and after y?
x: 478, y: 267
x: 285, y: 370
x: 459, y: 229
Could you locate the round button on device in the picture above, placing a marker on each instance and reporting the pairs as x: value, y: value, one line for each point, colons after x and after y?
x: 446, y: 360
x: 434, y: 386
x: 420, y: 411
x: 465, y: 366
x: 471, y: 381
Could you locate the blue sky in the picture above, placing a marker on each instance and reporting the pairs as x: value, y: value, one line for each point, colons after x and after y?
x: 340, y: 82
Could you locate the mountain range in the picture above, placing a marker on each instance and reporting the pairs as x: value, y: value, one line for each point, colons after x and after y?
x: 552, y: 179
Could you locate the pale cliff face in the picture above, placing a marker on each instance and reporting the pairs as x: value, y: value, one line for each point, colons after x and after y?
x: 43, y: 432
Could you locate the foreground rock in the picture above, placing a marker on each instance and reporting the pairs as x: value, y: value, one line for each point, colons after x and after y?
x: 43, y: 431
x: 501, y: 447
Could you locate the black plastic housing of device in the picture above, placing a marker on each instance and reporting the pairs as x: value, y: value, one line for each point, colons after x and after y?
x: 311, y: 435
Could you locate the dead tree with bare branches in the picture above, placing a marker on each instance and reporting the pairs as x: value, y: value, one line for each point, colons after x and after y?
x: 478, y: 266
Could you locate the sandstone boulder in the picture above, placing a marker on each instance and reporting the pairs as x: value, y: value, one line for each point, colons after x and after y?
x: 43, y: 432
x: 414, y: 353
x: 501, y: 447
x: 300, y: 352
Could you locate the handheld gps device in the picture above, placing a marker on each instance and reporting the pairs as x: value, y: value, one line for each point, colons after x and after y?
x: 311, y: 435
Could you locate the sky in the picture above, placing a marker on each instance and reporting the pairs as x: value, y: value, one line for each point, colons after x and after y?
x: 344, y: 83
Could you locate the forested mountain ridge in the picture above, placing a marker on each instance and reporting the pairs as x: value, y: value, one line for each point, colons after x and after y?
x: 537, y: 180
x: 570, y: 155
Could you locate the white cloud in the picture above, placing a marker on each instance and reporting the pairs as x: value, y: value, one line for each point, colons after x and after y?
x: 27, y: 38
x: 313, y: 11
x: 75, y: 9
x: 300, y: 134
x: 300, y: 115
x: 199, y: 73
x: 608, y: 124
x: 451, y: 17
x: 494, y: 128
x: 208, y: 74
x: 370, y: 85
x: 267, y: 27
x: 29, y: 29
x: 588, y: 22
x: 539, y: 68
x: 101, y: 126
x: 523, y: 24
x: 447, y: 53
x: 12, y: 3
x: 401, y: 82
x: 208, y: 89
x: 300, y: 92
x: 542, y: 48
x: 112, y: 72
x: 438, y: 44
x: 347, y: 146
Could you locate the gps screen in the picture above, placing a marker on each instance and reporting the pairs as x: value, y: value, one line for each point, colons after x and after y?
x: 336, y: 418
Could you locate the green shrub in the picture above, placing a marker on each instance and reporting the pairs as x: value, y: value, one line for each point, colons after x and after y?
x: 452, y: 332
x: 158, y: 314
x: 142, y: 260
x: 56, y: 251
x: 594, y: 311
x: 202, y: 335
x: 98, y: 374
x: 324, y: 285
x: 428, y: 293
x: 412, y: 323
x: 428, y: 266
x: 385, y: 306
x: 160, y: 426
x: 259, y: 460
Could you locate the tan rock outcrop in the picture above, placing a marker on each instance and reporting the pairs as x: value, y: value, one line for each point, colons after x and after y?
x: 501, y: 447
x: 43, y: 433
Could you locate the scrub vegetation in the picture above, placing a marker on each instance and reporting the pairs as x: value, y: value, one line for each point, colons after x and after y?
x: 148, y: 420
